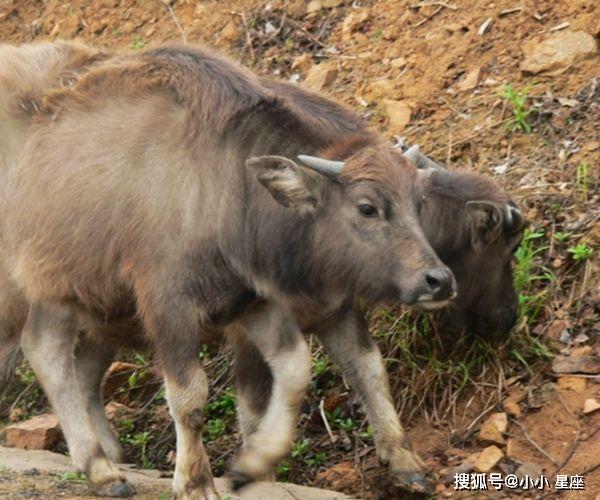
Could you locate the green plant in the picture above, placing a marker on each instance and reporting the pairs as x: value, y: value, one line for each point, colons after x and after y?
x: 581, y: 251
x: 518, y: 100
x: 561, y: 236
x: 140, y: 440
x: 74, y: 477
x: 215, y: 428
x: 137, y: 43
x: 318, y: 459
x: 583, y: 178
x: 283, y: 469
x: 300, y: 448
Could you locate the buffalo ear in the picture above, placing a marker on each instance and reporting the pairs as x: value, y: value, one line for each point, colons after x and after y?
x: 287, y: 182
x: 486, y: 222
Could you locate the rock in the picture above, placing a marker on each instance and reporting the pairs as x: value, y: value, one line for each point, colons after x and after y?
x: 398, y: 112
x: 303, y: 62
x: 391, y: 33
x: 590, y: 406
x: 37, y: 433
x: 557, y: 52
x: 512, y: 408
x: 383, y: 88
x: 576, y: 364
x: 591, y: 146
x: 115, y: 410
x: 493, y: 429
x: 575, y: 384
x: 511, y: 445
x: 529, y: 469
x: 339, y: 477
x: 470, y: 81
x: 314, y: 6
x: 398, y: 62
x: 485, y: 460
x: 321, y: 76
x: 330, y: 4
x: 352, y: 22
x: 230, y: 32
x: 15, y: 414
x: 117, y: 376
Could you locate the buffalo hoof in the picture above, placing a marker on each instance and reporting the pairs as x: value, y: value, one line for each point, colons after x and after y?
x: 239, y: 479
x: 115, y: 489
x: 413, y: 481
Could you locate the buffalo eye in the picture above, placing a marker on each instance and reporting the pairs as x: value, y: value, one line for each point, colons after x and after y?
x: 367, y: 210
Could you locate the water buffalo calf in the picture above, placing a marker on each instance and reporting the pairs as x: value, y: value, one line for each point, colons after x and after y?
x: 174, y: 192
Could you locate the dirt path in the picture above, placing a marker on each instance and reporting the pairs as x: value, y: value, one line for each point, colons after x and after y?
x: 43, y: 474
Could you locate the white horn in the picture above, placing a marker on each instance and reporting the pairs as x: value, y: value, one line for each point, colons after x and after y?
x: 420, y: 160
x: 328, y: 167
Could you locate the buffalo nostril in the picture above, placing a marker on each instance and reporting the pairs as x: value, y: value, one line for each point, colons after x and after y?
x: 441, y: 283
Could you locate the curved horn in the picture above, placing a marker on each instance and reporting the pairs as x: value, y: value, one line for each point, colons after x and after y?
x: 420, y: 160
x: 514, y: 218
x: 326, y: 167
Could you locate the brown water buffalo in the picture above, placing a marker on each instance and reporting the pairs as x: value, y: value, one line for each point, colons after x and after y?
x: 174, y: 192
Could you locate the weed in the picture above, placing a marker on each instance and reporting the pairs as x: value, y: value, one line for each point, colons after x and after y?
x: 300, y: 448
x: 527, y: 273
x: 581, y: 251
x: 583, y: 178
x: 140, y: 440
x: 283, y: 469
x: 368, y: 433
x: 521, y: 112
x: 318, y: 459
x: 561, y: 236
x: 215, y: 428
x: 137, y: 43
x: 74, y: 477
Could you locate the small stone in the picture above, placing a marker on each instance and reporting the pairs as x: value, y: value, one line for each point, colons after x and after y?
x: 575, y: 384
x: 529, y: 469
x: 493, y: 429
x: 512, y: 408
x: 230, y: 32
x: 557, y: 52
x: 470, y: 81
x: 15, y: 414
x: 485, y: 460
x: 321, y: 76
x: 117, y: 376
x: 37, y: 433
x: 590, y: 406
x: 391, y: 33
x: 511, y: 448
x: 115, y: 410
x: 576, y: 364
x: 591, y: 146
x: 352, y: 22
x: 303, y: 62
x: 330, y: 4
x: 399, y: 113
x: 383, y: 88
x: 398, y: 62
x: 314, y: 6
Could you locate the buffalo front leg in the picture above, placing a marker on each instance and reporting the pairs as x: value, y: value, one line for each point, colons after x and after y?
x: 48, y: 343
x: 92, y: 358
x: 348, y: 342
x: 285, y: 351
x: 176, y: 340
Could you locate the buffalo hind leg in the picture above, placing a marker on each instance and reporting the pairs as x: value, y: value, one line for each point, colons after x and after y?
x: 48, y: 343
x: 284, y: 349
x: 348, y: 342
x: 173, y: 329
x: 254, y: 382
x: 92, y: 359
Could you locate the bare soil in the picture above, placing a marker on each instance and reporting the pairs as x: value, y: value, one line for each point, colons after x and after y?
x: 440, y: 44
